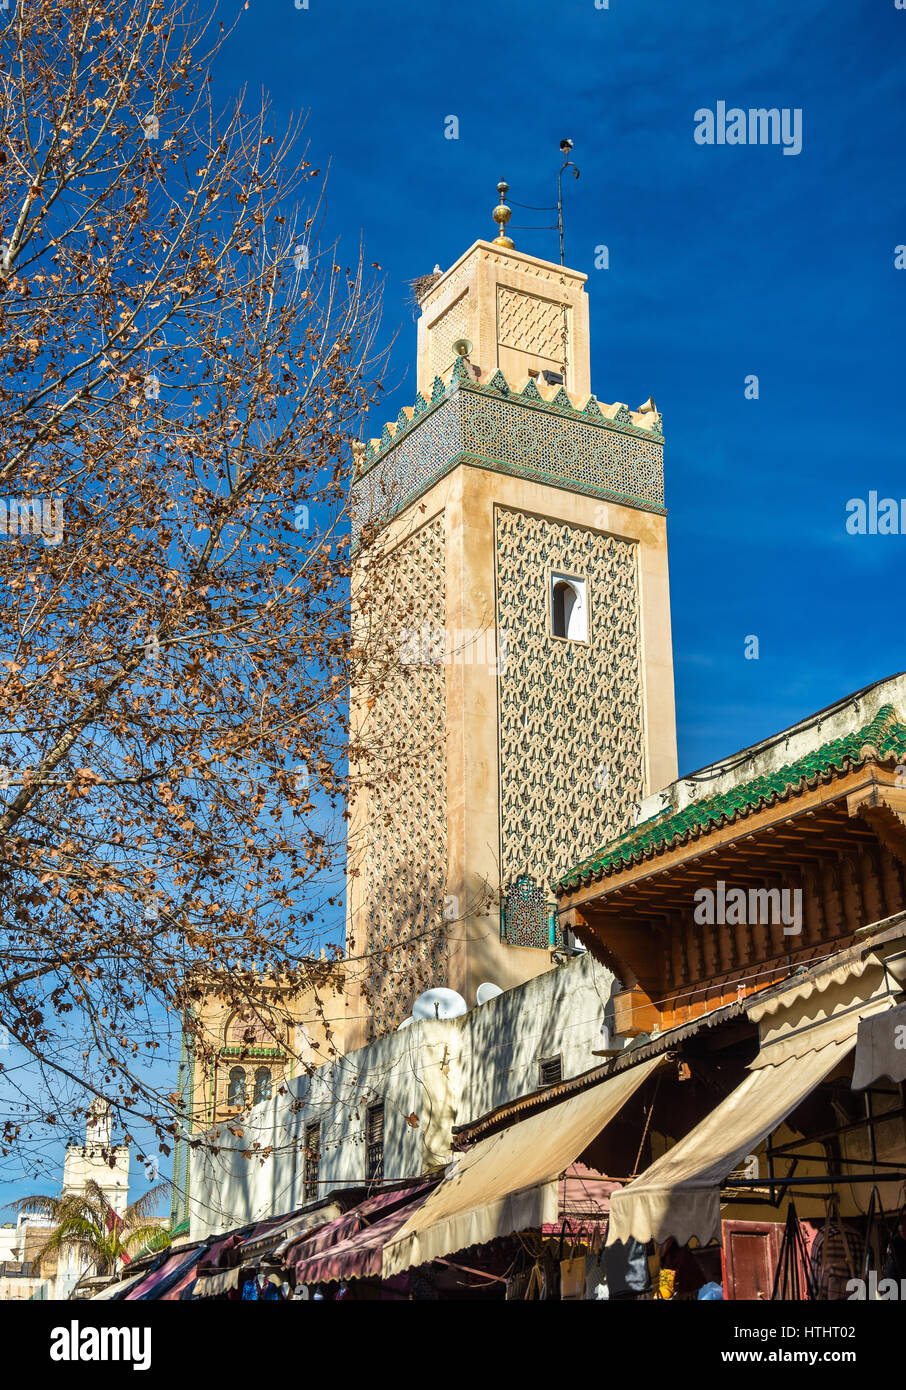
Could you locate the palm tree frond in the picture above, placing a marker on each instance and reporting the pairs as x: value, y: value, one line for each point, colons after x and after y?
x: 39, y: 1205
x: 147, y: 1204
x: 146, y: 1238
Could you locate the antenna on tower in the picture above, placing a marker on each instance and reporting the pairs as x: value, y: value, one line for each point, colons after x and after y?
x: 566, y: 147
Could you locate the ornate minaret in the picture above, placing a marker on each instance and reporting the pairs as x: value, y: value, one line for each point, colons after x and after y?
x: 520, y: 584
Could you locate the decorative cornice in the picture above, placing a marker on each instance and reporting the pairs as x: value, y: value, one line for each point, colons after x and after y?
x: 461, y: 379
x: 252, y: 1051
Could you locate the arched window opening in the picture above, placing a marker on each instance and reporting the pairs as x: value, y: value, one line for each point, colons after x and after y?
x: 246, y: 1029
x: 569, y: 609
x: 564, y: 602
x: 262, y: 1084
x: 236, y: 1093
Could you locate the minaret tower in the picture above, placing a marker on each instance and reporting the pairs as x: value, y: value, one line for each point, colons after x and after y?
x: 517, y: 576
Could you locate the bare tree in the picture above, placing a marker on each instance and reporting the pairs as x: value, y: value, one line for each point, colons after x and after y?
x: 184, y: 369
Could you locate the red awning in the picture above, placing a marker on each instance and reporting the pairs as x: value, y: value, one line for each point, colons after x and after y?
x: 174, y: 1263
x: 344, y: 1227
x: 352, y: 1247
x: 222, y: 1254
x: 184, y: 1280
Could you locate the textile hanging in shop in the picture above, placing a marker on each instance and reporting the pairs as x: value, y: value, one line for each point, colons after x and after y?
x: 257, y: 1290
x: 509, y: 1181
x: 572, y: 1277
x: 626, y: 1269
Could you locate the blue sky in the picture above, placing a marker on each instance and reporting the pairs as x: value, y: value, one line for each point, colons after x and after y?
x: 724, y: 262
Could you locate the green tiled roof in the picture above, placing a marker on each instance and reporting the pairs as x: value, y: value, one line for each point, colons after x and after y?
x: 884, y: 738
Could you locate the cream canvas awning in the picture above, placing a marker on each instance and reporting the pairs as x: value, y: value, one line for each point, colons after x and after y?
x: 679, y: 1195
x: 509, y: 1181
x: 881, y: 1049
x: 786, y: 1021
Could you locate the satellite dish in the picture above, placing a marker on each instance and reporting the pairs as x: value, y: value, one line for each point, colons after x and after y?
x: 439, y: 1003
x: 406, y: 1023
x: 462, y: 347
x: 487, y: 991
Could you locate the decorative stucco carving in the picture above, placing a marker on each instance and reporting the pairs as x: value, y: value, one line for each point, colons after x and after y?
x: 403, y: 862
x: 570, y: 713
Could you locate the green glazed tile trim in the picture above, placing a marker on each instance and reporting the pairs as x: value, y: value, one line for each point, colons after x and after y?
x: 885, y: 736
x: 499, y: 386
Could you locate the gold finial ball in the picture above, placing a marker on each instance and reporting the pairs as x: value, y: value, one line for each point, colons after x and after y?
x: 502, y: 215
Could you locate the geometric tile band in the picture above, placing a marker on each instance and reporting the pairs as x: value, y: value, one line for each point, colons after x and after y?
x: 515, y: 437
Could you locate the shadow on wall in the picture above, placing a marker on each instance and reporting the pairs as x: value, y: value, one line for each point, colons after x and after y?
x: 557, y: 1014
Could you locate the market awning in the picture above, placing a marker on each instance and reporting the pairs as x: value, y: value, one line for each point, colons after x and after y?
x: 159, y: 1280
x: 118, y: 1289
x: 347, y: 1225
x: 679, y: 1195
x: 221, y: 1254
x: 188, y: 1276
x: 266, y: 1241
x: 509, y: 1181
x: 825, y: 979
x: 218, y: 1284
x: 360, y: 1255
x: 881, y: 1048
x: 266, y: 1237
x: 325, y: 1215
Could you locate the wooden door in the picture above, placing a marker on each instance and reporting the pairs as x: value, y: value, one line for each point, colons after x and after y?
x: 751, y: 1250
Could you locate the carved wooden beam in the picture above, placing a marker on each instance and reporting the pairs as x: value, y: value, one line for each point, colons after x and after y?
x: 888, y: 824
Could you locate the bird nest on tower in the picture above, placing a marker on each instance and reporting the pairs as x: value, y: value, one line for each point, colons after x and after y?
x: 422, y: 284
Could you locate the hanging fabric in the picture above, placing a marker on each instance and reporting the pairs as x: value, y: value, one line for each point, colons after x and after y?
x: 877, y: 1234
x: 572, y: 1277
x: 836, y: 1254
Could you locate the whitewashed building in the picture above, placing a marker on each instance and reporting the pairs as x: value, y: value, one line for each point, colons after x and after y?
x: 388, y: 1109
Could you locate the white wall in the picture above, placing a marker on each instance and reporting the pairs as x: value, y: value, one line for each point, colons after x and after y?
x: 557, y: 1013
x: 430, y: 1076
